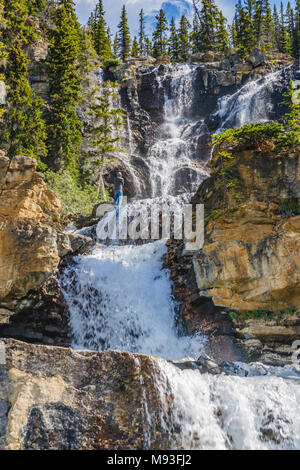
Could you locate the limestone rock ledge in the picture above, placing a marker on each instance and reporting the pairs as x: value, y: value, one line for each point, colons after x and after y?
x: 251, y: 256
x: 56, y: 398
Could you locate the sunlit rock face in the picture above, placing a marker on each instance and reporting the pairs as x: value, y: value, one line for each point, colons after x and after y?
x: 28, y: 238
x: 251, y: 254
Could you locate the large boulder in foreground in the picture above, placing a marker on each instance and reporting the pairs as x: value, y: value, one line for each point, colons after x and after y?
x: 28, y: 237
x: 56, y: 398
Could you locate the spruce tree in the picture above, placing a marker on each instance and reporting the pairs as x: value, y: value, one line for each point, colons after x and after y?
x: 184, y: 39
x: 222, y: 35
x: 124, y: 36
x: 148, y: 47
x: 285, y: 43
x: 135, y: 48
x: 107, y: 122
x: 142, y: 36
x: 296, y: 33
x: 160, y: 38
x: 22, y: 127
x: 116, y: 46
x: 276, y: 22
x: 195, y: 35
x: 64, y: 126
x: 101, y: 37
x: 174, y: 51
x: 207, y: 20
x: 268, y: 39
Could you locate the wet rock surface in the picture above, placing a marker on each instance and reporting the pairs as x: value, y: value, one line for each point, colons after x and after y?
x: 249, y: 262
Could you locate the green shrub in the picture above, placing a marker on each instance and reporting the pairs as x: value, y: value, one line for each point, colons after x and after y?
x: 250, y: 133
x: 112, y: 63
x: 74, y: 198
x: 289, y: 207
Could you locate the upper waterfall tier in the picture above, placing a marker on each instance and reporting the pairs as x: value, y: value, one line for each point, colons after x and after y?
x: 172, y: 110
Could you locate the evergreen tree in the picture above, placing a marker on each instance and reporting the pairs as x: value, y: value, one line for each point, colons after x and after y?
x: 285, y: 43
x: 222, y: 35
x: 105, y: 132
x: 124, y: 36
x: 296, y: 32
x: 22, y: 127
x: 160, y: 38
x: 148, y: 47
x: 208, y: 23
x: 184, y: 39
x: 276, y: 22
x: 135, y: 48
x: 100, y: 35
x: 195, y: 34
x: 174, y: 50
x: 3, y: 52
x: 268, y: 39
x: 116, y: 46
x: 64, y: 126
x: 142, y: 36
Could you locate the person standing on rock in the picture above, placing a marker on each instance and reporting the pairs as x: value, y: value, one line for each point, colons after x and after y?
x: 118, y: 187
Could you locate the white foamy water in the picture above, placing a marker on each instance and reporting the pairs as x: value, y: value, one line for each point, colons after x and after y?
x: 120, y: 298
x: 173, y: 156
x: 224, y: 412
x: 249, y: 104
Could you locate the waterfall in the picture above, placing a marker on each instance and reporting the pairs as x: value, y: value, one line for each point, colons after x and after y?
x: 172, y: 158
x: 120, y: 298
x: 227, y: 412
x: 249, y: 104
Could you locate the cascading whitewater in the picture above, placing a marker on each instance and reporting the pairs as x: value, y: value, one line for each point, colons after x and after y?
x: 249, y: 104
x: 227, y: 412
x: 120, y: 298
x: 175, y: 149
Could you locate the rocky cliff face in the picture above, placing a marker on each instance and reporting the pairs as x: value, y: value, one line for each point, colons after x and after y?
x: 32, y: 246
x: 250, y: 259
x: 28, y: 237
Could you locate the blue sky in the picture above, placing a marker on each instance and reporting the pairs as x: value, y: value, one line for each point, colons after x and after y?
x: 113, y: 9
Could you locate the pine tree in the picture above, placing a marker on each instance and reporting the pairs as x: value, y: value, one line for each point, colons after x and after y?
x: 184, y: 39
x: 22, y: 128
x: 3, y: 52
x: 285, y: 44
x: 222, y: 35
x: 290, y: 26
x: 64, y: 126
x: 160, y: 38
x: 268, y: 39
x: 148, y: 47
x: 195, y: 35
x: 142, y: 36
x: 135, y: 48
x: 207, y: 20
x: 174, y: 50
x: 296, y: 33
x: 124, y: 36
x: 276, y: 22
x: 101, y: 37
x: 116, y: 46
x: 105, y: 132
